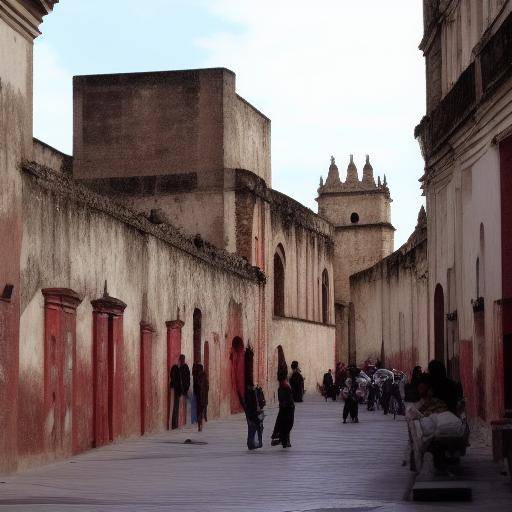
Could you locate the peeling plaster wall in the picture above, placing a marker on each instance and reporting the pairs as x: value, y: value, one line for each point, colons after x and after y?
x: 69, y: 244
x: 15, y: 145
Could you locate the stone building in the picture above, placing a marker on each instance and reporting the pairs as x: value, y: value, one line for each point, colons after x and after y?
x: 161, y: 235
x: 360, y: 212
x: 466, y: 141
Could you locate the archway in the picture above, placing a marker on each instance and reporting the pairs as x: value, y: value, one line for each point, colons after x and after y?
x: 439, y: 324
x: 279, y: 274
x: 325, y: 297
x: 237, y: 374
x: 197, y: 327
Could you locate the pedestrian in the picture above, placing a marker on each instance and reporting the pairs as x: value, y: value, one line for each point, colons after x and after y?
x: 285, y: 416
x: 200, y: 389
x: 444, y: 388
x: 179, y: 384
x: 328, y: 386
x: 297, y: 382
x: 351, y: 406
x: 411, y: 388
x: 340, y: 376
x: 254, y: 416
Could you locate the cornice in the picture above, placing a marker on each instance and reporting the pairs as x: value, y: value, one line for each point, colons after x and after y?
x: 25, y: 16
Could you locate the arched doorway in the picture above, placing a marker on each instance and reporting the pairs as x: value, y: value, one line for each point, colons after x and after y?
x: 325, y: 297
x: 237, y: 374
x: 439, y: 324
x: 279, y: 266
x: 197, y: 327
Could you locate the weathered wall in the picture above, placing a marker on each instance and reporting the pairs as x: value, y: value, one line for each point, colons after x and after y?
x: 246, y: 136
x: 312, y: 344
x: 390, y: 302
x: 77, y: 240
x: 15, y: 144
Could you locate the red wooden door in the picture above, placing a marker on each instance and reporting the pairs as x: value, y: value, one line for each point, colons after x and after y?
x: 59, y: 364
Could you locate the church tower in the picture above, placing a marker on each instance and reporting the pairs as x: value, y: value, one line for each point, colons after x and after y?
x: 360, y: 211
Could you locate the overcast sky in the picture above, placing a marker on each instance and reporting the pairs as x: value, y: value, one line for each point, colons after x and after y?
x: 335, y: 76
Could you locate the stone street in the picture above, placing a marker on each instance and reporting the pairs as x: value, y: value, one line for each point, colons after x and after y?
x: 330, y: 467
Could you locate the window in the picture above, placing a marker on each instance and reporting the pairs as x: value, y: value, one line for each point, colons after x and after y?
x: 279, y: 266
x: 325, y: 297
x: 354, y: 218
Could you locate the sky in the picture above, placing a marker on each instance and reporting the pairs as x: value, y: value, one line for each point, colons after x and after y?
x: 336, y: 77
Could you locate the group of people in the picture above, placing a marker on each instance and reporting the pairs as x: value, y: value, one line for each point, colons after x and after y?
x: 253, y: 400
x: 289, y: 391
x: 180, y: 386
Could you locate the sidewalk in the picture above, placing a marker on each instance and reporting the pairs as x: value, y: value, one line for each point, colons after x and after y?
x: 329, y: 467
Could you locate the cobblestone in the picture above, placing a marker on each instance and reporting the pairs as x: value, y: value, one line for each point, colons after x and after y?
x: 330, y: 467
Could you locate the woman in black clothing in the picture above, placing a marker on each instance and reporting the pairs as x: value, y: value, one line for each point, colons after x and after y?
x: 285, y: 417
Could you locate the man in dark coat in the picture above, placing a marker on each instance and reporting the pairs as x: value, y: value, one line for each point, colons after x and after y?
x: 328, y: 384
x: 200, y: 388
x: 297, y: 382
x: 179, y: 384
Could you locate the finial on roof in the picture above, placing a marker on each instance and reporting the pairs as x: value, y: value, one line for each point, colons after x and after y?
x: 379, y: 184
x: 352, y: 176
x: 368, y: 173
x: 321, y: 181
x: 385, y: 183
x: 333, y: 178
x: 105, y: 289
x: 422, y: 217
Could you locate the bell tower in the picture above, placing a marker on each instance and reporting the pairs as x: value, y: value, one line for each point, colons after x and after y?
x: 360, y: 211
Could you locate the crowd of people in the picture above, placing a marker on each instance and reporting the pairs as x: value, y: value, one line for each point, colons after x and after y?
x: 381, y: 388
x: 432, y: 391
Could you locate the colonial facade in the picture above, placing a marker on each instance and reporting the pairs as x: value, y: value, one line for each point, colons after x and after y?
x: 466, y: 141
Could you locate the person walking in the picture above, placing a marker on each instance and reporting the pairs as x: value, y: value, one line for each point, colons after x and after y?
x: 179, y: 384
x: 254, y: 416
x: 351, y: 406
x: 328, y: 385
x: 200, y: 389
x: 285, y: 417
x: 297, y: 382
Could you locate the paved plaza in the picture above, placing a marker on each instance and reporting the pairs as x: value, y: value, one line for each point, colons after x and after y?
x: 330, y: 467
